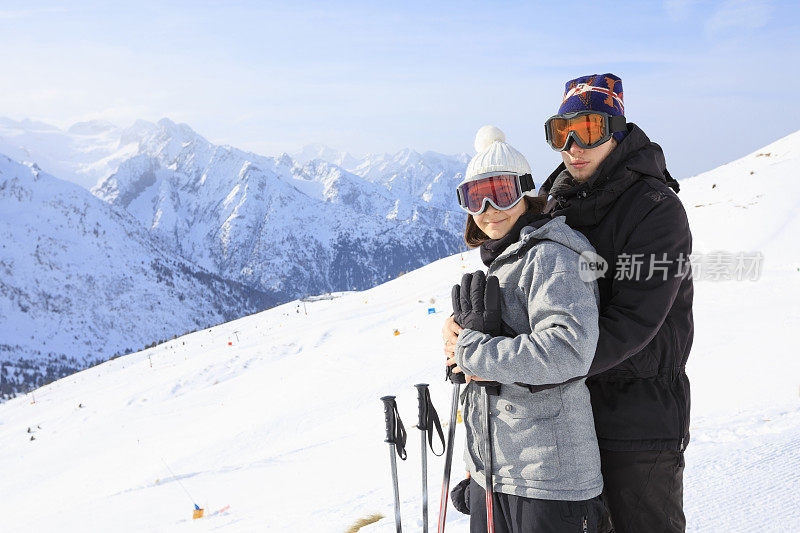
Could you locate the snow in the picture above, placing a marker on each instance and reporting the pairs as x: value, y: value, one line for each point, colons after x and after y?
x: 750, y: 204
x: 73, y: 268
x: 83, y: 154
x: 189, y: 194
x: 278, y: 414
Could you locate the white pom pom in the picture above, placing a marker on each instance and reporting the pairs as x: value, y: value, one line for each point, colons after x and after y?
x: 486, y: 136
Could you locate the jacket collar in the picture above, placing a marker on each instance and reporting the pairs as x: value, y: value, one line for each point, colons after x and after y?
x: 494, y: 248
x: 585, y: 204
x: 536, y: 230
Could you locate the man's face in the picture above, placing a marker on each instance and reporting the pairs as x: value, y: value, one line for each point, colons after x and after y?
x: 582, y: 162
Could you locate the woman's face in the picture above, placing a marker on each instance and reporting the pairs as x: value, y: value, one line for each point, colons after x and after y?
x: 496, y: 223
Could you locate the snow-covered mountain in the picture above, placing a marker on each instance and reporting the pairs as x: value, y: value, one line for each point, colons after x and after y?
x: 83, y: 154
x: 310, y: 152
x: 274, y: 224
x: 281, y: 228
x: 429, y: 176
x: 273, y: 423
x: 323, y: 221
x: 81, y: 281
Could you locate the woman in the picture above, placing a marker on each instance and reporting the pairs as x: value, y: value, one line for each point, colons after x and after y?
x: 545, y: 460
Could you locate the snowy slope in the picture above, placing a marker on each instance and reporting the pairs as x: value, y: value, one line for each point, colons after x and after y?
x: 277, y: 414
x: 752, y: 203
x: 81, y: 281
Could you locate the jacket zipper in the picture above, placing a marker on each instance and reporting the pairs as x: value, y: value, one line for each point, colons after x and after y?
x: 585, y: 525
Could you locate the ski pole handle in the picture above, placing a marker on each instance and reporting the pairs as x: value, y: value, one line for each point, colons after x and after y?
x: 395, y: 432
x: 455, y: 377
x: 422, y: 404
x: 428, y: 417
x: 389, y: 407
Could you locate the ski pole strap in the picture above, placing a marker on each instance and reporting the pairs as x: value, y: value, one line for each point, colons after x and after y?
x: 428, y: 417
x: 395, y: 432
x: 455, y: 377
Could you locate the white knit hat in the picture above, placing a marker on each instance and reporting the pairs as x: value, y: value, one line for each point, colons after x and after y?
x: 494, y: 155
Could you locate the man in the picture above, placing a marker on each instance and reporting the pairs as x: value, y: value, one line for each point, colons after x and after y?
x: 614, y: 188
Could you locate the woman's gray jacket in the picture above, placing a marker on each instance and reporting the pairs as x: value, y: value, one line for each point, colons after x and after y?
x: 544, y: 443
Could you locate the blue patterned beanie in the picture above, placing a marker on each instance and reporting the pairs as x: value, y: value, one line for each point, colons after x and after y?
x: 598, y: 92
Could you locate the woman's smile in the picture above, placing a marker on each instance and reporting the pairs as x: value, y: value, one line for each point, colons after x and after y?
x: 496, y: 223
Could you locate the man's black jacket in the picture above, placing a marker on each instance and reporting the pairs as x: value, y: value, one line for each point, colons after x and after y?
x: 631, y: 215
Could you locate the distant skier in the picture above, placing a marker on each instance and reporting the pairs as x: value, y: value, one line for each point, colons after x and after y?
x: 545, y: 460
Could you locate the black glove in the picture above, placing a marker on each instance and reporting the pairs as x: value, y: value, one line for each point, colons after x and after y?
x: 460, y: 496
x: 476, y: 303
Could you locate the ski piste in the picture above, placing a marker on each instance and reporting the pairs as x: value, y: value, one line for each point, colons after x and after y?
x: 198, y: 513
x: 224, y: 510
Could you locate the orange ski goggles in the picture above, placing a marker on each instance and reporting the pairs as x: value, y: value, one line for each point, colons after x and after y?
x: 586, y: 128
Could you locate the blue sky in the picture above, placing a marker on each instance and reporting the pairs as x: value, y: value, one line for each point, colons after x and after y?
x: 709, y: 81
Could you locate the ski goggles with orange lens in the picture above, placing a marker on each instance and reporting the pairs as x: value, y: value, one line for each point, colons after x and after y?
x: 503, y: 190
x: 586, y: 128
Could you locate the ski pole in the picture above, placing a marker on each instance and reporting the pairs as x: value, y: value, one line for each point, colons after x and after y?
x: 422, y: 403
x: 490, y: 388
x: 428, y: 421
x: 396, y: 437
x: 457, y: 379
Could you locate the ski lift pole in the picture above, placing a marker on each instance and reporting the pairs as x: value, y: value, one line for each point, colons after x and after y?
x: 396, y: 437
